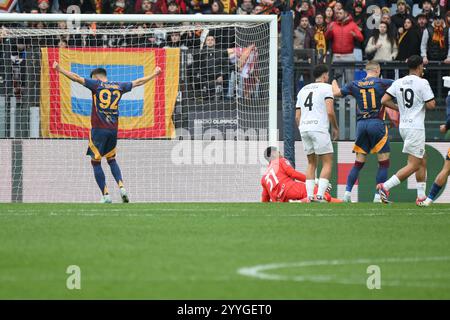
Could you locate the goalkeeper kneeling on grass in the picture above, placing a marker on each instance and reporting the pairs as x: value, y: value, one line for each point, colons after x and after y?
x: 282, y: 183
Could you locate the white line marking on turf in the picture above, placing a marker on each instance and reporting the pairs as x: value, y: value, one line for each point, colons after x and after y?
x: 237, y: 213
x: 262, y: 272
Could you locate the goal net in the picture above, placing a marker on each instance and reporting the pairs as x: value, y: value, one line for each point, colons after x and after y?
x: 196, y: 132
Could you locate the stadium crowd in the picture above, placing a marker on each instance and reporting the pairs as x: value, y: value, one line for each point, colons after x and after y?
x: 347, y: 30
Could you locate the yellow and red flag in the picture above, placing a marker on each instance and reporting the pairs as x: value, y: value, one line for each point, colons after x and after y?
x: 145, y: 112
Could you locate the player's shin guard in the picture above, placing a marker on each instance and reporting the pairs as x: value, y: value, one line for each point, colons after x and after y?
x: 115, y: 170
x: 353, y: 175
x: 382, y: 173
x: 99, y: 176
x: 435, y: 188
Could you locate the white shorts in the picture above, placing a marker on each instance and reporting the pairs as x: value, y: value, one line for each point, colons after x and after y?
x: 316, y: 142
x: 414, y: 141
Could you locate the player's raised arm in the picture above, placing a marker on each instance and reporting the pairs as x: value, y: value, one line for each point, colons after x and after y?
x: 144, y: 80
x: 71, y: 75
x: 329, y: 102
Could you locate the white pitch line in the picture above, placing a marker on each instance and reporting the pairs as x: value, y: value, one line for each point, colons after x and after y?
x: 178, y: 213
x: 237, y: 213
x: 261, y: 271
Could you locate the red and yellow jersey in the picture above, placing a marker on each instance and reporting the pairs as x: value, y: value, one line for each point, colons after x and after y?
x: 279, y: 177
x: 105, y: 102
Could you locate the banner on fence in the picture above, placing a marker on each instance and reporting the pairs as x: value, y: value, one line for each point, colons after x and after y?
x: 145, y: 112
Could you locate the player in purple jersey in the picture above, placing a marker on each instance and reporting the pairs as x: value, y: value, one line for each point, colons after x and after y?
x: 371, y: 131
x: 105, y: 122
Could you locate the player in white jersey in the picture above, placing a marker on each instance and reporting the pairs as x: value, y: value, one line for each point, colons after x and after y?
x: 413, y: 94
x: 315, y: 112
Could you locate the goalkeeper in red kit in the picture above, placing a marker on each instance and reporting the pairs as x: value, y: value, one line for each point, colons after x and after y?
x: 282, y: 183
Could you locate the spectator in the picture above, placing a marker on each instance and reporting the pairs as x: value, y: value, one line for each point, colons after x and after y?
x: 382, y: 46
x: 174, y: 40
x: 212, y: 67
x: 191, y: 38
x: 359, y: 17
x: 392, y: 29
x: 321, y: 5
x: 319, y: 37
x: 173, y: 8
x: 197, y: 6
x: 229, y: 6
x: 435, y: 42
x: 304, y: 9
x: 438, y: 11
x: 246, y: 7
x: 149, y: 7
x: 25, y: 6
x: 343, y: 33
x: 117, y: 7
x: 329, y: 15
x: 157, y: 6
x: 398, y: 19
x: 337, y: 7
x: 427, y: 10
x: 409, y: 41
x: 422, y: 22
x: 217, y: 7
x: 304, y: 35
x: 258, y: 9
x: 447, y: 19
x: 268, y: 7
x: 62, y: 43
x: 44, y: 6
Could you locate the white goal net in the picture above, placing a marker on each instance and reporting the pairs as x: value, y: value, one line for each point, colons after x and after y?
x: 195, y: 132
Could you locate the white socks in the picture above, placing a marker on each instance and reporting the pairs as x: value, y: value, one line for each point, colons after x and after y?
x: 323, y: 185
x: 347, y: 196
x: 392, y: 182
x: 310, y: 184
x: 421, y: 187
x: 376, y: 197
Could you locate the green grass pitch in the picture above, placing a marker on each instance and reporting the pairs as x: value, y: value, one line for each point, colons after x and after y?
x: 224, y: 251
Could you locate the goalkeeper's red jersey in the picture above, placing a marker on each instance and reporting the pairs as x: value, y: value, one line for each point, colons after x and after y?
x: 278, y: 179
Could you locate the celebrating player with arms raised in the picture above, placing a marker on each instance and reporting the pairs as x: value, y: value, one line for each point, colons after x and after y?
x: 413, y: 94
x: 371, y: 131
x: 315, y: 112
x: 105, y: 122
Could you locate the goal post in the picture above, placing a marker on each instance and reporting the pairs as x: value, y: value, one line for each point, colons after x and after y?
x: 185, y: 115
